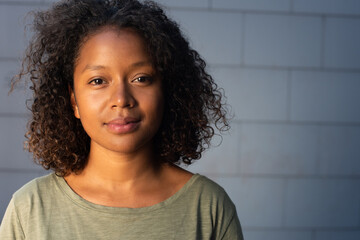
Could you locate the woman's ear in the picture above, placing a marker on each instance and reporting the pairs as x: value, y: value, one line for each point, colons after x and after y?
x: 73, y: 102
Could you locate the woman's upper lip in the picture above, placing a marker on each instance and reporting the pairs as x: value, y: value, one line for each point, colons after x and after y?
x: 123, y: 120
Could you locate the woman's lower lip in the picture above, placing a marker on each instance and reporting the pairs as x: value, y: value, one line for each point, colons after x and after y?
x: 122, y: 128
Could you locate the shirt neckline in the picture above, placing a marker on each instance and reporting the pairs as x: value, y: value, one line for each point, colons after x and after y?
x: 80, y: 201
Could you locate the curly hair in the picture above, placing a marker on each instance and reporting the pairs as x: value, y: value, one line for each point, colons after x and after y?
x: 193, y: 102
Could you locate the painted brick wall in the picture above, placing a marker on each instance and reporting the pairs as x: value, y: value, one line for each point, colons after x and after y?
x: 291, y: 72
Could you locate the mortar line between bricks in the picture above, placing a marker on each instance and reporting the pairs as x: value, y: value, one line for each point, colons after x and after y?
x: 287, y: 68
x: 318, y: 150
x: 359, y: 215
x: 220, y: 10
x: 21, y: 3
x: 9, y: 59
x: 284, y: 204
x: 313, y: 235
x: 285, y: 176
x: 242, y: 47
x: 14, y: 115
x: 266, y: 12
x: 19, y: 170
x: 239, y: 149
x: 289, y: 95
x: 322, y: 47
x: 210, y: 4
x: 295, y: 229
x: 299, y: 123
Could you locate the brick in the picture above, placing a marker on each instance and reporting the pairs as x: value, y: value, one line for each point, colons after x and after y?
x: 174, y: 3
x: 210, y: 35
x: 258, y: 201
x: 338, y: 235
x: 12, y: 131
x: 13, y: 20
x: 342, y: 43
x: 277, y: 235
x: 50, y: 1
x: 184, y: 3
x: 24, y: 1
x: 9, y: 183
x: 262, y: 5
x: 16, y: 101
x: 325, y: 96
x: 222, y: 159
x: 327, y: 6
x: 339, y: 150
x: 278, y: 149
x: 286, y: 41
x: 254, y: 94
x: 322, y: 203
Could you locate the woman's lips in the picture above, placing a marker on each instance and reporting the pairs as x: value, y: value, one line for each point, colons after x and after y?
x: 123, y: 125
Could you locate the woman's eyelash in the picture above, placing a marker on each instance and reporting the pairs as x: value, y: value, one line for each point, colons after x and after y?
x: 143, y: 79
x: 96, y: 81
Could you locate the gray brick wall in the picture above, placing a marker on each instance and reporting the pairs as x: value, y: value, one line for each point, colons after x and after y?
x: 291, y: 72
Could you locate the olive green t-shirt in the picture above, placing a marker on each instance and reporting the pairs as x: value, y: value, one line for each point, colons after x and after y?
x: 47, y: 208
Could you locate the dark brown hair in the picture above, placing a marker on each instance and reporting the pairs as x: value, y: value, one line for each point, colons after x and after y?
x: 193, y: 102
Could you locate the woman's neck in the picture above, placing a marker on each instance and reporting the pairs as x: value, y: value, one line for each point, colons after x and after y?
x: 112, y: 170
x: 126, y: 180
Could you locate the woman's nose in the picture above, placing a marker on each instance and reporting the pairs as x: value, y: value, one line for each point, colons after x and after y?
x: 122, y: 96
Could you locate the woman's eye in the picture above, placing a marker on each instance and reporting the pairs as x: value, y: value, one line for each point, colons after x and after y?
x: 97, y: 81
x: 142, y: 79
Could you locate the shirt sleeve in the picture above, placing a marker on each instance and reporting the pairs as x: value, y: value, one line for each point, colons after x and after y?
x: 10, y: 227
x: 233, y: 230
x: 227, y: 222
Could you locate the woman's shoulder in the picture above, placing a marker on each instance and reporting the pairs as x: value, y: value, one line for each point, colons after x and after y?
x: 197, y: 182
x: 35, y: 188
x: 208, y: 188
x: 210, y: 200
x: 197, y: 188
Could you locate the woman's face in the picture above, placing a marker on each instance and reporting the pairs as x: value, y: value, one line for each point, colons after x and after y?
x: 117, y: 94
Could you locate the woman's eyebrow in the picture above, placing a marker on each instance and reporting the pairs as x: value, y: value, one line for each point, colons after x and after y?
x: 141, y: 64
x: 93, y: 67
x: 134, y: 65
